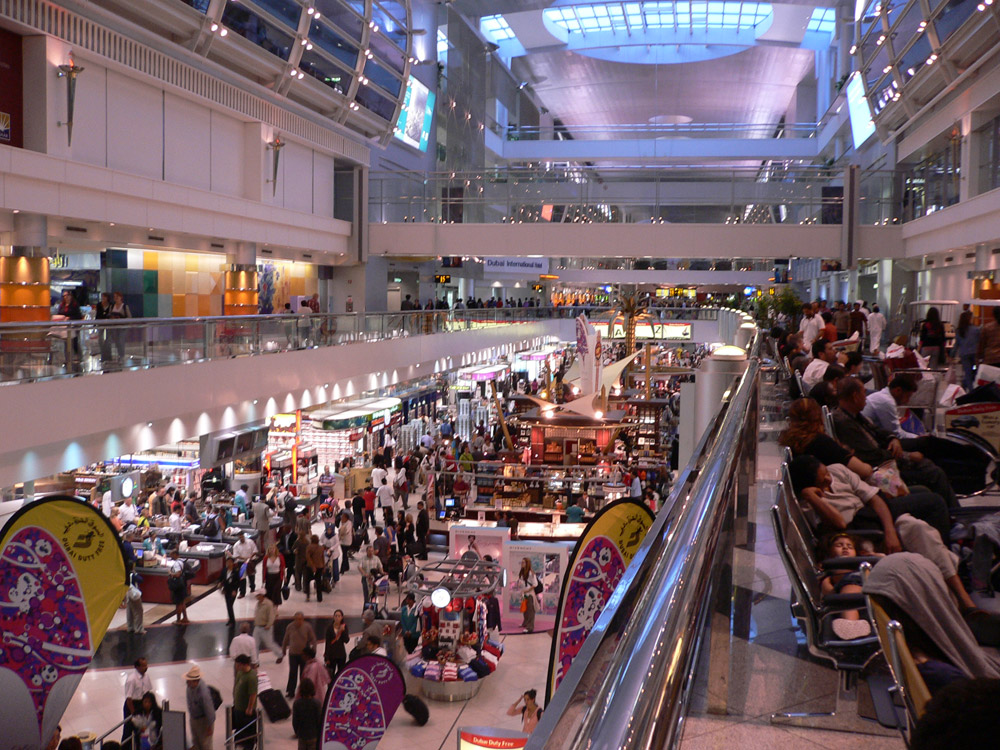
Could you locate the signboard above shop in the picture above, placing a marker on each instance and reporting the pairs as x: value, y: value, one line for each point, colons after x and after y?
x: 654, y: 331
x: 516, y: 266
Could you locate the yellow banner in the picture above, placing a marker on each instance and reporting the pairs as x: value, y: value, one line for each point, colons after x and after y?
x: 62, y: 577
x: 596, y: 566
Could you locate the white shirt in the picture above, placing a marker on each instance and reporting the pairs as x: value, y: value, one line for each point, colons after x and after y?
x: 175, y: 522
x: 243, y: 644
x: 427, y: 442
x: 244, y: 550
x: 636, y: 490
x: 810, y: 328
x: 174, y: 566
x: 126, y: 513
x: 332, y: 544
x: 106, y: 504
x: 378, y: 474
x: 814, y: 371
x: 384, y: 496
x: 137, y: 685
x: 876, y: 325
x: 880, y: 408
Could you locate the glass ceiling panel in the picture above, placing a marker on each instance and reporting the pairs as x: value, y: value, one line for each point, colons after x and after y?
x: 635, y: 16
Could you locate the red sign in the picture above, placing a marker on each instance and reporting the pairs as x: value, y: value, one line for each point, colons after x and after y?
x: 355, y: 436
x: 473, y: 741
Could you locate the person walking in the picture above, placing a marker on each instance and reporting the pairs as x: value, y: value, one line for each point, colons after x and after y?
x: 371, y: 570
x: 315, y: 564
x: 263, y: 625
x: 243, y: 644
x: 876, y: 327
x: 346, y: 532
x: 423, y: 529
x: 337, y: 638
x: 966, y: 347
x: 246, y: 554
x: 262, y: 523
x: 315, y: 670
x: 385, y: 498
x: 137, y: 684
x: 298, y: 635
x: 527, y: 581
x: 133, y: 605
x: 299, y: 549
x: 201, y: 710
x: 119, y: 311
x: 273, y: 567
x: 307, y: 715
x: 530, y: 712
x: 230, y: 587
x: 245, y: 703
x: 178, y: 585
x: 332, y: 552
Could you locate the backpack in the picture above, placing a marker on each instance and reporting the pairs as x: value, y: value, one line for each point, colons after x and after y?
x: 216, y: 696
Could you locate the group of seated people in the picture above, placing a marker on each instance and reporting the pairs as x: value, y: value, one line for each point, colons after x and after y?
x: 874, y: 479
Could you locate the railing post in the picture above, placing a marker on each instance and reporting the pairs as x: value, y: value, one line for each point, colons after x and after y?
x: 230, y: 743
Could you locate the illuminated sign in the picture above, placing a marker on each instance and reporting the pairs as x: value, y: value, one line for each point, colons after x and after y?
x: 285, y: 424
x: 647, y: 330
x: 442, y: 279
x: 478, y: 738
x: 417, y: 115
x: 862, y: 125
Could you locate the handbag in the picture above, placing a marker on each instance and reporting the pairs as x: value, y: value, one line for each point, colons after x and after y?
x: 524, y: 604
x: 887, y: 479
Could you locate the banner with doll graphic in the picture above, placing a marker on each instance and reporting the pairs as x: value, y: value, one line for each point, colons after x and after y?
x: 361, y: 703
x: 62, y: 577
x: 596, y: 566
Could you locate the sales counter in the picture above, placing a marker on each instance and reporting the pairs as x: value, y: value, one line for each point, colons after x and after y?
x: 212, y: 556
x: 523, y: 515
x: 154, y: 585
x: 534, y: 531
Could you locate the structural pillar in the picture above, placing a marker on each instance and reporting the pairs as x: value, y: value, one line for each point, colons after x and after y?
x: 241, y: 281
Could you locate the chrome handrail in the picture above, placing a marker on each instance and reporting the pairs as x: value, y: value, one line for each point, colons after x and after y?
x: 629, y: 685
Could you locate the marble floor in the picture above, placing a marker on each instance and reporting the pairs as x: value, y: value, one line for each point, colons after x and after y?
x: 97, y: 704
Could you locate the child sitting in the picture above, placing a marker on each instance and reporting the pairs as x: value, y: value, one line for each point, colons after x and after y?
x: 849, y: 625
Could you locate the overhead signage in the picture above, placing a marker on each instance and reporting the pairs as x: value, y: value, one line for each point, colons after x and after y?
x: 416, y: 116
x: 442, y: 279
x: 518, y: 266
x: 491, y: 738
x: 655, y: 331
x: 859, y: 111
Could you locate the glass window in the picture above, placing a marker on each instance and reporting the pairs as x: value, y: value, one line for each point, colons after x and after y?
x: 261, y: 32
x: 343, y: 17
x: 870, y: 46
x: 287, y: 11
x: 382, y: 77
x: 872, y: 16
x: 909, y: 64
x: 376, y: 103
x: 387, y: 52
x: 989, y: 156
x: 323, y: 36
x: 952, y: 16
x: 325, y: 71
x: 907, y: 26
x: 389, y: 16
x: 199, y: 5
x: 875, y: 68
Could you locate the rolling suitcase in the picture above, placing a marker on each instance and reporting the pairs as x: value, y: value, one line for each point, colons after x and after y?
x: 271, y: 700
x: 416, y: 708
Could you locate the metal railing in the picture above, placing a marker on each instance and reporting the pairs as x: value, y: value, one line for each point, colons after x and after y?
x: 630, y: 684
x: 70, y: 348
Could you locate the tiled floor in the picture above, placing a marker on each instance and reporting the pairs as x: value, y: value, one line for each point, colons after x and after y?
x: 97, y: 704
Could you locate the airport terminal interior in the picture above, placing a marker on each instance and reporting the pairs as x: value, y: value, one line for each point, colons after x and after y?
x: 499, y: 374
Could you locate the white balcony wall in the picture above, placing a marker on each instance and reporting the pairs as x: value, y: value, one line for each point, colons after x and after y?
x: 133, y: 125
x: 194, y: 399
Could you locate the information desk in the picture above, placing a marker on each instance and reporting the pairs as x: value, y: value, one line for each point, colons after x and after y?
x: 154, y: 585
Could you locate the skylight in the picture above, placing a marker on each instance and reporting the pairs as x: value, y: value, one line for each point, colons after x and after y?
x: 638, y: 17
x: 823, y: 20
x: 496, y: 28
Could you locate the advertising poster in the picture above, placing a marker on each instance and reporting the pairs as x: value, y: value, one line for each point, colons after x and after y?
x: 483, y: 541
x: 62, y: 577
x: 979, y: 419
x: 548, y: 561
x: 480, y: 738
x: 596, y: 566
x: 361, y: 703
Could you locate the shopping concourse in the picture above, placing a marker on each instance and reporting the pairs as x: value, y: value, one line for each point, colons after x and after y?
x: 536, y: 374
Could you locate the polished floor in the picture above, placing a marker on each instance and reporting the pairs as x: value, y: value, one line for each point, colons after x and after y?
x: 97, y: 704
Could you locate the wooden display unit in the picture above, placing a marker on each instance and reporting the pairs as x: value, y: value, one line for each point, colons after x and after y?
x: 24, y: 298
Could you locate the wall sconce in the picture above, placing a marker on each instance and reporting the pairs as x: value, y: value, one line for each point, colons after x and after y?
x: 275, y: 146
x: 69, y: 71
